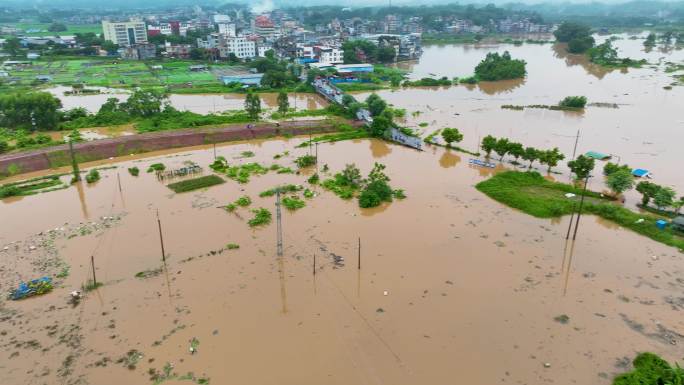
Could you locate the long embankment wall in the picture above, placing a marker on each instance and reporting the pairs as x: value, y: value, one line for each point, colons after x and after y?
x: 57, y: 156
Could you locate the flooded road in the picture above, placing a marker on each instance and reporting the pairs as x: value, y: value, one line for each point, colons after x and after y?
x: 450, y: 283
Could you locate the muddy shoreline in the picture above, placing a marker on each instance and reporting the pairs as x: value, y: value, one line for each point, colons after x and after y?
x: 57, y: 156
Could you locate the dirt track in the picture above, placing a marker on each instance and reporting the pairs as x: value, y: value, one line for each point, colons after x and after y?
x: 52, y: 157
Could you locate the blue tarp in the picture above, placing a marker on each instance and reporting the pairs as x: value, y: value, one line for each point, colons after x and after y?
x: 639, y: 172
x: 27, y: 289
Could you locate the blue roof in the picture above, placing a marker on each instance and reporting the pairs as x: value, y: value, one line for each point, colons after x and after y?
x: 639, y: 172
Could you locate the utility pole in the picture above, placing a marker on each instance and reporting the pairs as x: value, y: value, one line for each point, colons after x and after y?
x: 92, y: 263
x: 316, y: 154
x: 574, y: 151
x: 579, y: 212
x: 572, y: 216
x: 214, y: 151
x: 314, y: 265
x: 359, y: 266
x: 118, y: 179
x: 279, y: 226
x: 74, y: 164
x: 161, y: 238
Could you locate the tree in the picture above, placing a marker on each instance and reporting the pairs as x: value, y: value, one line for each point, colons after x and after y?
x: 145, y: 103
x: 620, y: 181
x: 283, y: 102
x: 386, y: 54
x: 581, y: 166
x: 501, y: 147
x: 12, y: 46
x: 30, y: 110
x: 664, y: 198
x: 347, y: 100
x: 4, y: 146
x: 500, y: 67
x: 381, y: 124
x: 199, y: 54
x: 350, y: 176
x: 570, y: 30
x: 610, y: 168
x: 677, y: 205
x: 451, y: 135
x: 488, y: 143
x: 253, y: 105
x: 647, y: 190
x: 551, y: 158
x: 581, y: 44
x: 376, y: 189
x: 650, y: 40
x: 57, y: 27
x: 516, y: 150
x: 375, y: 104
x: 531, y: 154
x: 573, y: 102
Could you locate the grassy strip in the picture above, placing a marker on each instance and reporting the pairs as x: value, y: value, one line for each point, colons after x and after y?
x: 30, y: 187
x: 534, y: 195
x: 194, y: 184
x: 337, y: 137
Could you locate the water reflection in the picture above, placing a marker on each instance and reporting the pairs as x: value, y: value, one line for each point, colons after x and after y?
x: 375, y: 210
x: 560, y: 51
x: 449, y: 159
x: 502, y: 86
x: 81, y: 198
x: 379, y: 148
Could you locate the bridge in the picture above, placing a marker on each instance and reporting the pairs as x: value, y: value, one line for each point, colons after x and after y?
x: 334, y: 94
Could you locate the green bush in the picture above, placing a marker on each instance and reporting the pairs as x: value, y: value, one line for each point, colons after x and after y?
x: 500, y: 67
x: 573, y: 102
x: 243, y: 201
x: 92, y: 176
x: 305, y: 161
x: 293, y: 203
x: 649, y: 369
x: 134, y: 171
x: 156, y: 167
x: 261, y: 217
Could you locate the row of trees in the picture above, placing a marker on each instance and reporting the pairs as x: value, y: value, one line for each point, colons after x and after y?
x: 503, y: 147
x: 663, y: 197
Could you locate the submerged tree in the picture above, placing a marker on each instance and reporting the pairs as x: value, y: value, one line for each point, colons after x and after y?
x: 551, y: 158
x: 253, y: 105
x: 620, y: 181
x: 451, y: 135
x: 501, y: 147
x: 531, y: 154
x: 647, y: 190
x: 582, y: 166
x: 488, y: 143
x: 283, y: 102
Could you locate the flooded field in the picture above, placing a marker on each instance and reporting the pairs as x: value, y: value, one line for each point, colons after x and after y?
x: 198, y: 103
x: 453, y: 286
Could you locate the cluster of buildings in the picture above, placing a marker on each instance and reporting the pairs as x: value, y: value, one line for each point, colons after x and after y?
x: 236, y: 37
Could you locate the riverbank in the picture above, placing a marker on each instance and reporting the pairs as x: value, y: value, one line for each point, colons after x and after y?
x: 57, y: 156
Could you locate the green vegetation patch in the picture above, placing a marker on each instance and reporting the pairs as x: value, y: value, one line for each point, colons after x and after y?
x: 196, y: 183
x: 649, y: 369
x: 534, y: 195
x: 242, y: 173
x: 31, y: 186
x: 261, y: 217
x: 288, y: 188
x: 293, y: 203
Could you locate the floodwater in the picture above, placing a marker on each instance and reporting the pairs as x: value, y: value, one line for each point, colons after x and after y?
x: 198, y: 103
x: 452, y: 287
x: 645, y: 131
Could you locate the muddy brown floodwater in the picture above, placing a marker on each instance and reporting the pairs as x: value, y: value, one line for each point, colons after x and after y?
x: 454, y: 287
x: 645, y: 130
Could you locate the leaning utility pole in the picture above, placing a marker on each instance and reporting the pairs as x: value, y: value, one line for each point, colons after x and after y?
x: 579, y: 212
x: 279, y: 224
x: 74, y: 164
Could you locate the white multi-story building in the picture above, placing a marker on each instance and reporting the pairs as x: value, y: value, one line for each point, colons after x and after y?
x: 220, y: 18
x: 329, y: 55
x: 227, y: 29
x: 125, y: 33
x: 240, y: 46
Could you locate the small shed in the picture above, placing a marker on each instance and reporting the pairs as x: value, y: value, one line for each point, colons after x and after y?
x: 678, y: 223
x: 198, y: 68
x: 640, y: 173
